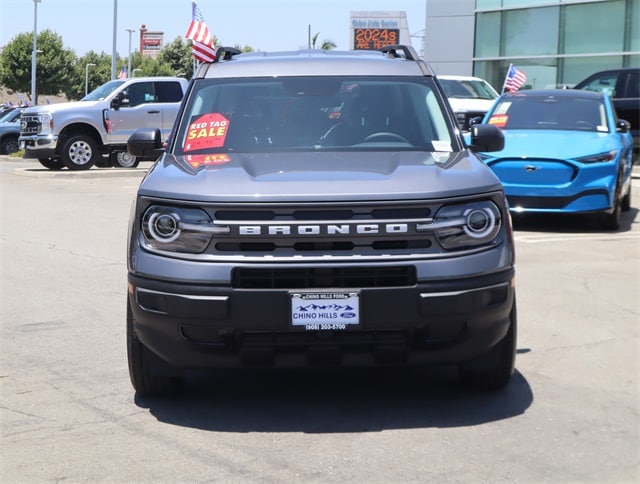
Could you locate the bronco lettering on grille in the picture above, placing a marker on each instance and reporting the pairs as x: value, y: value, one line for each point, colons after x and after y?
x: 329, y: 229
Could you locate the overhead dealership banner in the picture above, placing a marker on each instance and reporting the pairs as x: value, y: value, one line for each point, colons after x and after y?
x: 373, y: 30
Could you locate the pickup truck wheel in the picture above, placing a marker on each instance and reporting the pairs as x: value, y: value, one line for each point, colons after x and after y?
x: 51, y: 163
x: 79, y: 152
x: 124, y: 160
x: 145, y: 380
x: 9, y: 145
x: 493, y: 370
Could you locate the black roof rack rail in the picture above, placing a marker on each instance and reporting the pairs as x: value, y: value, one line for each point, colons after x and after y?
x: 408, y: 51
x: 226, y: 53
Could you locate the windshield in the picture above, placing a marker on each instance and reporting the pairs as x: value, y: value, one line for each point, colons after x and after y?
x: 10, y: 116
x: 468, y: 89
x: 313, y: 113
x: 550, y: 112
x: 103, y: 91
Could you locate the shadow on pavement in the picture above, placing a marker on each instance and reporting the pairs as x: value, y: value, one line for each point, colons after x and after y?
x: 570, y: 223
x: 336, y: 401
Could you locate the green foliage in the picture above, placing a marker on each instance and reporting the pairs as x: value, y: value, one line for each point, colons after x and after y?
x: 177, y: 55
x: 326, y: 44
x: 60, y: 72
x: 54, y: 64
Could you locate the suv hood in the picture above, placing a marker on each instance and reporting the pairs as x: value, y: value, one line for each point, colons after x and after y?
x: 318, y: 176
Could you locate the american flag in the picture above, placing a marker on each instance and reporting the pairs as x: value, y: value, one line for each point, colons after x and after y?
x: 515, y: 79
x: 201, y: 40
x: 123, y: 73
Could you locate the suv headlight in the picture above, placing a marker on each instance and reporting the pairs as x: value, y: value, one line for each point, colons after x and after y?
x: 177, y: 229
x: 466, y: 225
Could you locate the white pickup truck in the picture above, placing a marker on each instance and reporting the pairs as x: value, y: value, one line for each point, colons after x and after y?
x: 95, y: 130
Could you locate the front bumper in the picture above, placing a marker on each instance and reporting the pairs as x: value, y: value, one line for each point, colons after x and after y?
x: 441, y: 322
x: 38, y: 146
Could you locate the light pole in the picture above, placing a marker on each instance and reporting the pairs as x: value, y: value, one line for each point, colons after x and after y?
x: 133, y: 74
x: 129, y: 61
x: 114, y: 51
x: 86, y: 78
x: 34, y: 52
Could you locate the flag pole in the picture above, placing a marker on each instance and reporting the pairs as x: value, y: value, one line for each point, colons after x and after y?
x: 504, y: 84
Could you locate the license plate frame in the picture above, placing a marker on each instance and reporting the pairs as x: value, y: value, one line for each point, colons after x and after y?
x: 325, y: 310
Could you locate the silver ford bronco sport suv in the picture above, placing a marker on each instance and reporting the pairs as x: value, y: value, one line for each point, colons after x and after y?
x: 318, y: 208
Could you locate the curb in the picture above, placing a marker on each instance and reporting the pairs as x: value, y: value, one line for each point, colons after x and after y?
x: 82, y: 174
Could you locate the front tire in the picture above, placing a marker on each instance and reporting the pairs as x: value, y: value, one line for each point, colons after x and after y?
x: 124, y: 160
x: 79, y: 152
x: 51, y: 163
x: 9, y: 145
x: 493, y: 370
x: 145, y: 380
x: 611, y: 221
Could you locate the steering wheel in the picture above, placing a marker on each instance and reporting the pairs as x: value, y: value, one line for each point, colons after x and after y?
x: 385, y: 136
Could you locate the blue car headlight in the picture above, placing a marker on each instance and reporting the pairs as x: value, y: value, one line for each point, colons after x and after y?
x: 599, y: 158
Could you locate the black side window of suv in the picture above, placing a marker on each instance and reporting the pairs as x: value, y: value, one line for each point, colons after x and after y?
x: 168, y: 92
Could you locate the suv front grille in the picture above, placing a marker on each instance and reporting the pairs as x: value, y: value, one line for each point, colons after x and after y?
x: 244, y: 278
x: 319, y: 229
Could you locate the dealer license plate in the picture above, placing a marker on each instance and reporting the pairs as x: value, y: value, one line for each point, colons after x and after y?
x: 325, y: 310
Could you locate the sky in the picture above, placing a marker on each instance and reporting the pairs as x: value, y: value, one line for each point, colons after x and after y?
x: 267, y: 25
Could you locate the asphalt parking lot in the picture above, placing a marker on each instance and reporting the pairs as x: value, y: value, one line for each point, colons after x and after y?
x: 68, y: 412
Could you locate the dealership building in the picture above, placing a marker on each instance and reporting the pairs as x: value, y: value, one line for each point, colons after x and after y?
x: 555, y: 42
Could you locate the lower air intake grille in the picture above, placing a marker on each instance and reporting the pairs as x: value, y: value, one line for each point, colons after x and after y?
x: 323, y: 277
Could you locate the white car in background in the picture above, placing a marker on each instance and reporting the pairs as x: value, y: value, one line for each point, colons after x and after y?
x: 469, y: 97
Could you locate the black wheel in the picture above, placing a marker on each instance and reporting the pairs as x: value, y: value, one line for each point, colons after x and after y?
x: 384, y: 136
x: 79, y: 152
x: 124, y: 160
x: 493, y: 370
x: 51, y: 163
x: 9, y: 145
x: 626, y: 201
x: 145, y: 381
x: 611, y: 220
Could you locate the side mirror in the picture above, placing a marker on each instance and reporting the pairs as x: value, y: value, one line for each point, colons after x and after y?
x: 146, y: 143
x: 118, y: 100
x: 486, y: 137
x: 623, y: 126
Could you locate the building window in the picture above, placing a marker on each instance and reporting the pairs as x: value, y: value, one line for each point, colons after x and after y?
x: 594, y: 27
x: 488, y: 35
x: 531, y: 31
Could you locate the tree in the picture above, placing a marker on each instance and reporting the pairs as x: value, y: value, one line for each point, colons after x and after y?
x: 97, y: 74
x: 178, y: 56
x: 326, y: 44
x: 54, y: 64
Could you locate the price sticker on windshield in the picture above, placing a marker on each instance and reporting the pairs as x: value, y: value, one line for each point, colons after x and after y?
x: 207, y: 131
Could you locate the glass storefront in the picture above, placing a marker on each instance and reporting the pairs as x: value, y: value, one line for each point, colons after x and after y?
x: 556, y: 44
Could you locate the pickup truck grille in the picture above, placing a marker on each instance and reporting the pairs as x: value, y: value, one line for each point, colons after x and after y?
x: 30, y: 124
